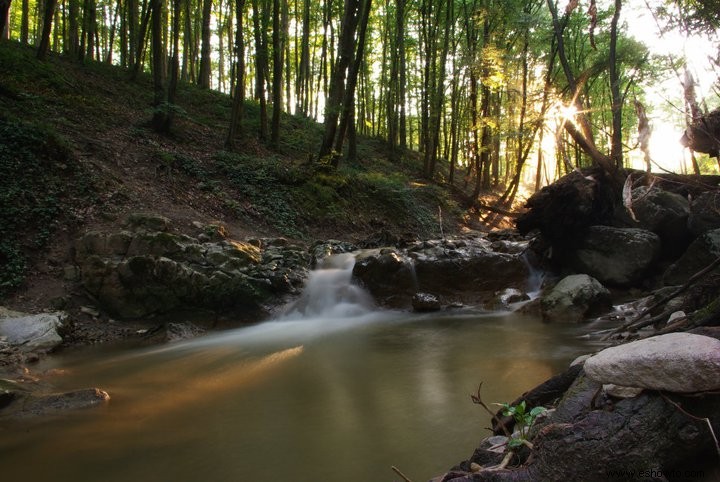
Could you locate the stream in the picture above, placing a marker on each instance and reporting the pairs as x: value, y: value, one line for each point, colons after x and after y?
x: 334, y: 390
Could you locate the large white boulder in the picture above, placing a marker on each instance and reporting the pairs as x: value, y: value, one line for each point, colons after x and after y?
x: 676, y: 362
x: 33, y: 332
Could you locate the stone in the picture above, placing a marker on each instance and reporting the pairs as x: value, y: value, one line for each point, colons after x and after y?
x: 52, y: 404
x: 675, y: 362
x: 619, y: 391
x: 676, y: 316
x: 703, y: 251
x: 147, y: 222
x: 616, y: 256
x: 574, y: 298
x: 704, y: 213
x: 580, y: 360
x: 665, y: 214
x: 33, y: 332
x: 425, y: 302
x: 447, y: 267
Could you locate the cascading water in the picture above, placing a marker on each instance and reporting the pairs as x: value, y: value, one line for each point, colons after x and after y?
x: 330, y: 293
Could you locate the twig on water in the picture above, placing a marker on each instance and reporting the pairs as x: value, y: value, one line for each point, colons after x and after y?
x: 397, y: 471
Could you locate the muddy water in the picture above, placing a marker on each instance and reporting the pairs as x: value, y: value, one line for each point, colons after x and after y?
x: 320, y: 395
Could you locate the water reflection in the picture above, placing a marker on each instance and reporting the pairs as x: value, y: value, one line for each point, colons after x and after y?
x: 343, y: 405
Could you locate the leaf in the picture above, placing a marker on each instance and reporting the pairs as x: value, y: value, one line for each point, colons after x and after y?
x: 515, y: 443
x: 537, y: 411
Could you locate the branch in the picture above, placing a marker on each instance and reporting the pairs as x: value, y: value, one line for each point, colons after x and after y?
x: 694, y: 278
x: 477, y: 399
x: 403, y: 476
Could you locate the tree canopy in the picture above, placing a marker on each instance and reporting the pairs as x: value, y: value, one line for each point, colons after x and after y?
x: 483, y: 89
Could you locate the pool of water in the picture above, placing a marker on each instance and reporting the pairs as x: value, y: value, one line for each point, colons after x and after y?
x: 303, y: 400
x: 334, y: 390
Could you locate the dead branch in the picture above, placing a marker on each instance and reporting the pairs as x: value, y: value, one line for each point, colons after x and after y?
x: 403, y: 476
x: 693, y: 279
x: 477, y: 399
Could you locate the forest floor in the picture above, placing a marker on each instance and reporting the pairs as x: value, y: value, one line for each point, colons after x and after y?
x: 79, y: 156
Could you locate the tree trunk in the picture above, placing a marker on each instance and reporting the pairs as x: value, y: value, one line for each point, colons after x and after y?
x: 278, y: 51
x: 205, y: 61
x: 303, y: 76
x: 339, y: 72
x: 261, y: 66
x: 159, y: 119
x: 348, y: 107
x: 24, y: 22
x: 46, y: 29
x: 583, y: 136
x: 616, y: 153
x: 5, y: 19
x: 239, y: 94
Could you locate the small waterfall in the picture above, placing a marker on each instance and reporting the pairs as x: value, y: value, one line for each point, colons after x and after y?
x: 535, y: 278
x: 330, y: 293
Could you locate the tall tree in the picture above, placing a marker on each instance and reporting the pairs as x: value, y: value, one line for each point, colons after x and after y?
x: 239, y: 91
x: 159, y: 120
x: 49, y: 13
x: 205, y: 60
x: 346, y: 51
x: 4, y: 18
x: 261, y: 63
x: 348, y: 108
x: 278, y: 52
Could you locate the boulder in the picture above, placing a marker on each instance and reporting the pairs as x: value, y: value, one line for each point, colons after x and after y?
x: 33, y: 332
x: 675, y: 362
x: 704, y: 213
x: 665, y: 214
x: 616, y: 256
x: 449, y: 267
x: 147, y: 222
x: 573, y: 298
x: 134, y: 274
x: 425, y: 302
x: 36, y: 405
x: 386, y: 274
x: 589, y: 435
x: 703, y: 251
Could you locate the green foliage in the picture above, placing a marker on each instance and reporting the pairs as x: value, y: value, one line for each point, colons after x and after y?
x: 38, y: 178
x: 260, y: 180
x: 523, y: 420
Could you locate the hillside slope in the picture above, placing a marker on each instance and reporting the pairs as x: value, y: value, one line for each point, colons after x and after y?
x: 77, y: 154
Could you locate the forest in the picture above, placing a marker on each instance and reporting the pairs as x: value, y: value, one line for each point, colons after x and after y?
x: 493, y: 94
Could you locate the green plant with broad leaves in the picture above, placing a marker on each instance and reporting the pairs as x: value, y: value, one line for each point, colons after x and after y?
x: 524, y: 419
